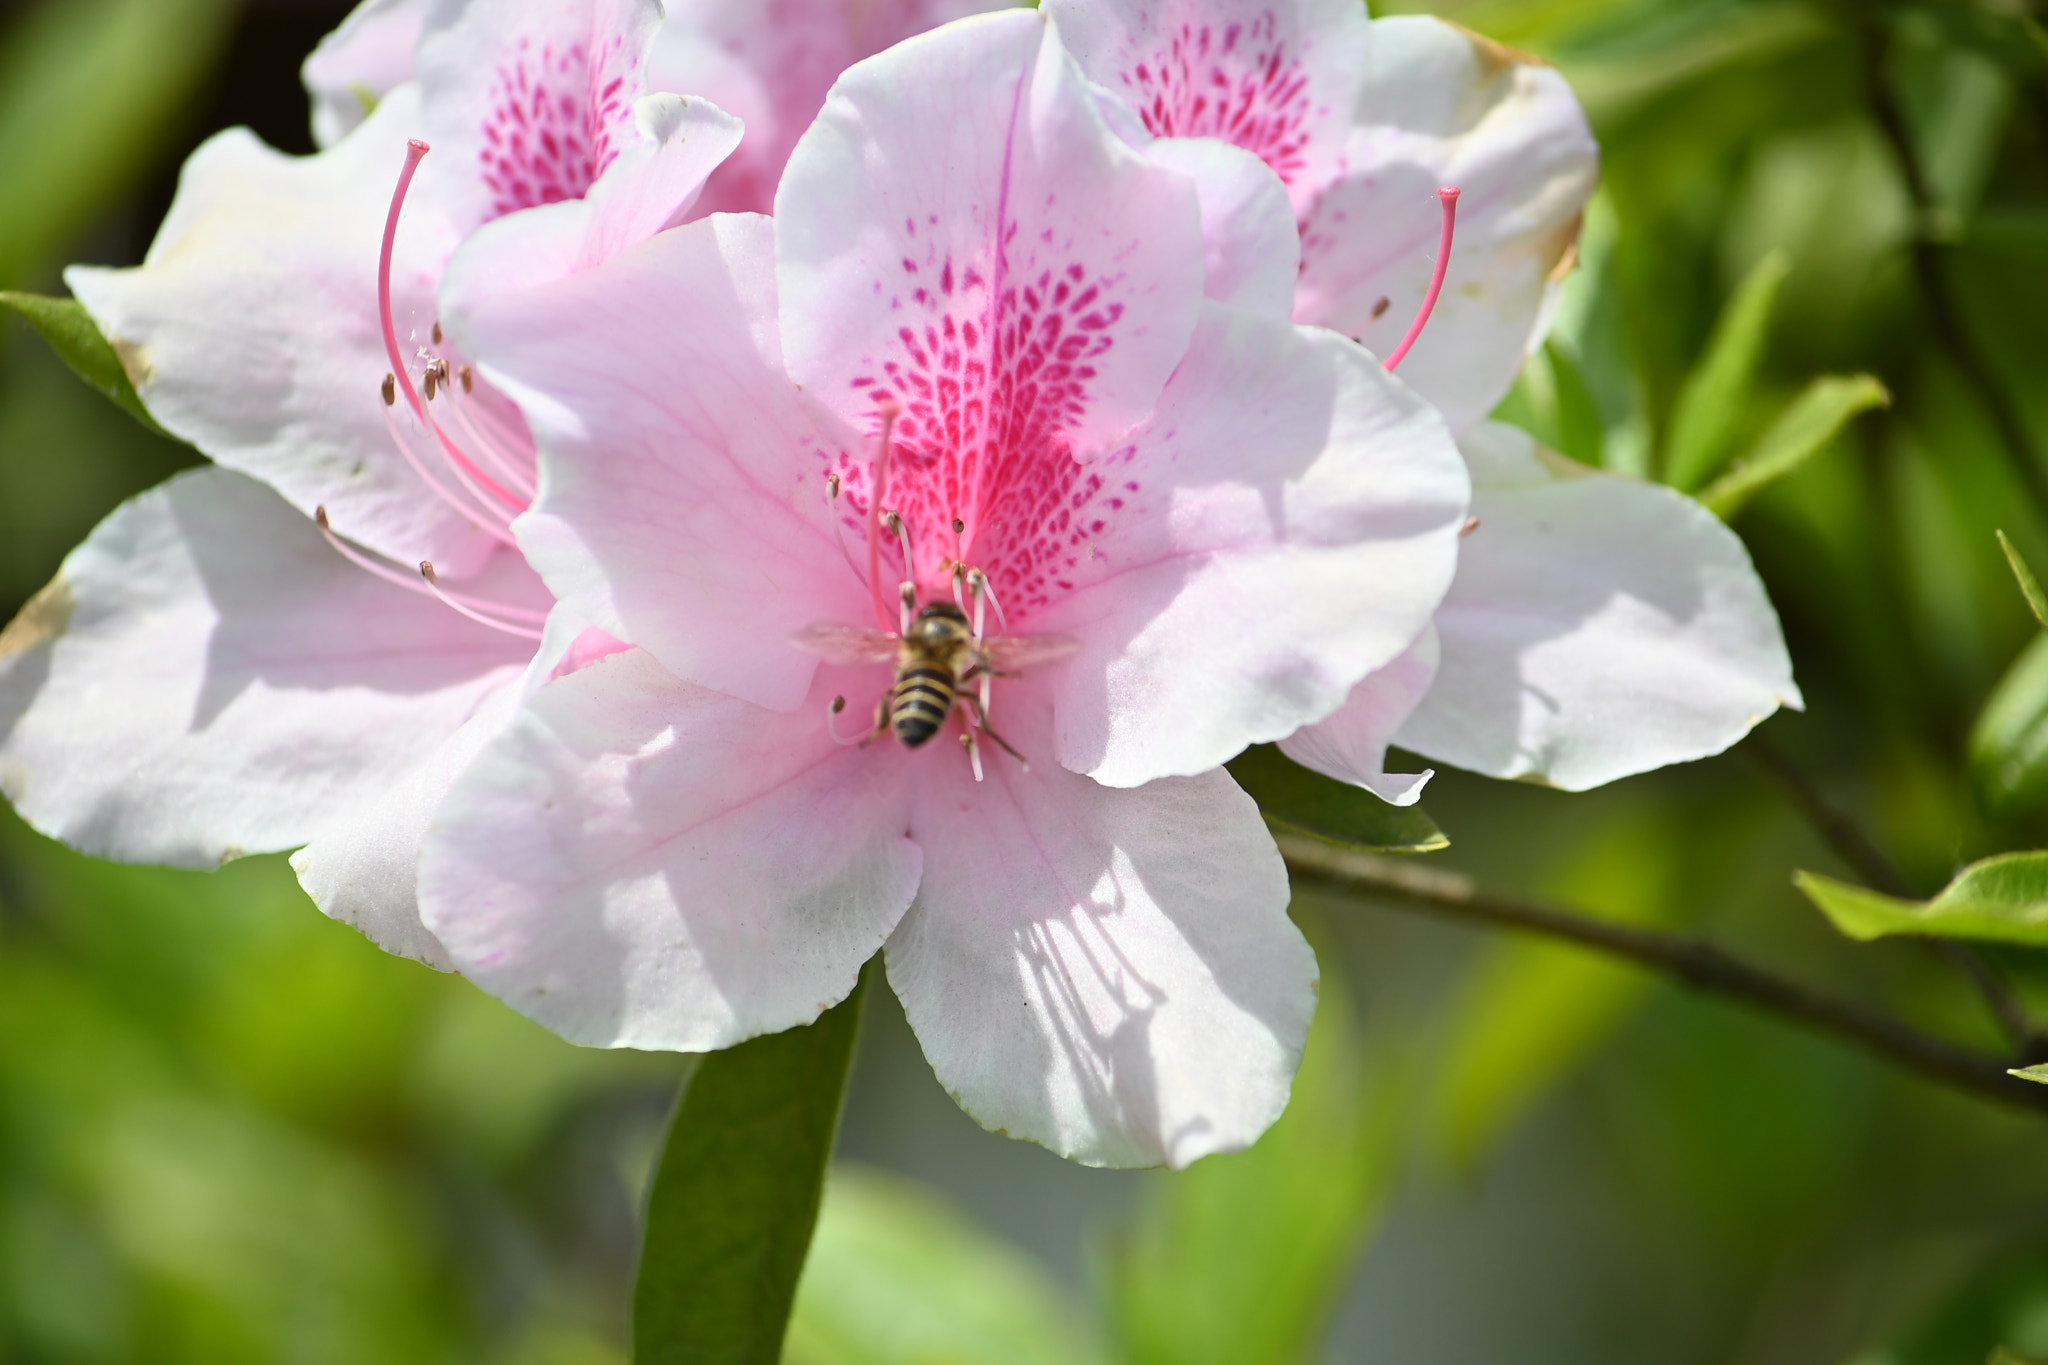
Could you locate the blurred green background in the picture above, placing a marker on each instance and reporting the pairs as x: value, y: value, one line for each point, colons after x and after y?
x: 231, y: 1131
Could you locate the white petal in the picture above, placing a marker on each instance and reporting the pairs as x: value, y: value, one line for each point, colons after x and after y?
x: 1598, y: 627
x: 1351, y: 745
x: 1109, y: 973
x: 251, y: 328
x: 636, y: 862
x: 1253, y: 253
x: 362, y: 61
x: 211, y: 679
x: 1444, y: 107
x: 1284, y: 525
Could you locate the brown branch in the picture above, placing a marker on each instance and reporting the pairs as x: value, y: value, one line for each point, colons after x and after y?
x: 1697, y: 963
x: 1855, y: 848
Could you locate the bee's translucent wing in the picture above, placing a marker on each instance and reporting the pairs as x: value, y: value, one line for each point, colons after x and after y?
x: 1014, y: 653
x: 846, y: 644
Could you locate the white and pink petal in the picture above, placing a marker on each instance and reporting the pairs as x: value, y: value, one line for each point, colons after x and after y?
x: 1351, y: 745
x: 367, y: 57
x: 637, y: 862
x: 1598, y: 627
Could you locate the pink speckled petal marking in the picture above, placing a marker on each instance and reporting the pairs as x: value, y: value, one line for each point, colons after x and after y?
x: 961, y: 237
x: 535, y: 96
x: 1275, y: 77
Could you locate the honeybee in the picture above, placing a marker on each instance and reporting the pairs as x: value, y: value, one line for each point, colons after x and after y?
x: 939, y: 656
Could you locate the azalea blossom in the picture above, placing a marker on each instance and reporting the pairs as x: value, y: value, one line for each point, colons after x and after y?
x: 296, y: 646
x: 1599, y: 626
x: 767, y: 62
x: 991, y: 366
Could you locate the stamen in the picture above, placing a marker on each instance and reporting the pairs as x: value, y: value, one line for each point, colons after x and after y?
x: 983, y: 592
x: 876, y: 493
x: 832, y: 724
x: 1448, y: 197
x: 902, y: 533
x: 973, y: 752
x: 463, y: 607
x: 390, y: 391
x: 437, y: 332
x: 468, y: 379
x: 490, y: 525
x: 411, y: 583
x: 1471, y: 525
x: 959, y: 577
x: 414, y: 151
x: 428, y: 384
x: 908, y: 594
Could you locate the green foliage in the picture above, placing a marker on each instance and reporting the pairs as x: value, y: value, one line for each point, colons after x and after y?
x: 896, y: 1276
x: 1299, y: 799
x: 736, y: 1193
x: 89, y: 90
x: 2023, y: 574
x: 2003, y: 899
x: 77, y: 340
x: 1814, y: 419
x: 1239, y: 1259
x: 1717, y: 394
x: 2009, y: 743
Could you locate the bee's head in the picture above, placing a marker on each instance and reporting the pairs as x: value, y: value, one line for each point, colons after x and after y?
x: 938, y: 623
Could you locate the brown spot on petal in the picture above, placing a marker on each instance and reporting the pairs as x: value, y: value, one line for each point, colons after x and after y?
x: 47, y: 616
x: 1495, y: 58
x: 1561, y: 249
x: 134, y: 362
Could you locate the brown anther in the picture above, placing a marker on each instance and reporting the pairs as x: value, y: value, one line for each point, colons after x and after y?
x: 320, y: 516
x: 838, y: 705
x: 1471, y: 525
x: 909, y: 591
x: 959, y: 526
x: 427, y: 572
x: 427, y: 385
x: 893, y: 522
x: 1379, y: 309
x: 832, y: 486
x: 468, y: 379
x: 437, y: 334
x: 390, y: 390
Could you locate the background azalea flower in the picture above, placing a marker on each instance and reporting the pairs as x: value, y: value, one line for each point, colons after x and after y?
x: 767, y: 62
x: 1229, y: 519
x: 210, y: 676
x: 1599, y: 626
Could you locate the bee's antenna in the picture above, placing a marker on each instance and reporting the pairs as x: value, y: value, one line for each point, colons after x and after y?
x: 877, y: 491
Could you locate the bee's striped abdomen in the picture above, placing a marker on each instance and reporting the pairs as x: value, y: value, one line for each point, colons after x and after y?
x: 920, y: 703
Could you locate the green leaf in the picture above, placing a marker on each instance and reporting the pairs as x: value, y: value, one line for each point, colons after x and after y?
x: 896, y: 1274
x: 1716, y: 395
x: 2003, y: 899
x: 1805, y: 428
x: 2030, y: 586
x: 90, y: 91
x: 1580, y: 433
x: 736, y: 1197
x: 1299, y: 799
x: 1242, y: 1257
x: 2009, y: 743
x: 77, y: 340
x: 2037, y: 1072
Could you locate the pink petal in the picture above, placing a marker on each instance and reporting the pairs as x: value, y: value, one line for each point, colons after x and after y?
x: 531, y: 100
x: 637, y: 862
x: 1285, y: 525
x: 1443, y: 106
x: 685, y: 506
x: 1277, y: 79
x: 1351, y: 745
x: 218, y: 681
x: 362, y: 61
x: 960, y: 233
x: 1109, y: 973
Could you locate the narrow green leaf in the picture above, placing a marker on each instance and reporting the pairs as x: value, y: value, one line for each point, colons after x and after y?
x: 76, y: 339
x: 2002, y: 899
x: 2037, y: 1072
x: 1243, y: 1257
x: 2009, y: 743
x: 736, y: 1197
x: 897, y: 1274
x: 1805, y: 428
x: 1717, y: 393
x: 1293, y: 796
x: 2030, y: 586
x: 1580, y: 433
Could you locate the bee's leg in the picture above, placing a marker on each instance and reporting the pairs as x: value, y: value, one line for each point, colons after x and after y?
x: 979, y: 716
x: 881, y: 720
x: 973, y: 751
